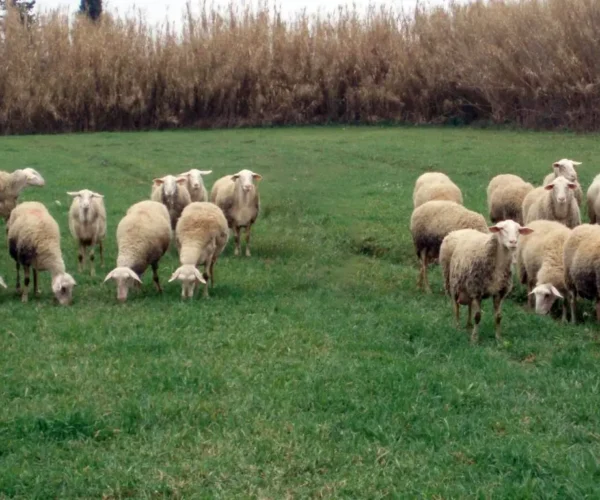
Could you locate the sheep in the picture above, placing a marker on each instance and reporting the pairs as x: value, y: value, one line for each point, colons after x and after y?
x: 171, y: 191
x: 581, y: 260
x: 554, y: 201
x: 435, y: 186
x: 593, y: 200
x: 201, y: 235
x: 195, y: 184
x: 480, y: 267
x: 11, y: 185
x: 239, y: 199
x: 540, y: 264
x: 505, y: 194
x: 566, y: 168
x: 431, y: 222
x: 87, y: 223
x: 34, y: 241
x: 143, y: 237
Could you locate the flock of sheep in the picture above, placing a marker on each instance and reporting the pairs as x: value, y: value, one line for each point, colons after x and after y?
x: 538, y: 230
x: 179, y: 206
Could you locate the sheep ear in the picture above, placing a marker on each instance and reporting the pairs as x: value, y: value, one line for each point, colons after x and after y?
x: 158, y: 182
x: 97, y: 195
x: 205, y: 172
x: 235, y: 177
x: 257, y: 177
x: 199, y: 277
x: 174, y: 276
x: 134, y: 276
x: 576, y: 163
x: 556, y: 164
x: 549, y: 187
x: 2, y: 283
x: 525, y: 230
x: 73, y: 193
x: 556, y: 292
x: 494, y: 229
x: 109, y: 276
x: 572, y: 185
x: 181, y: 180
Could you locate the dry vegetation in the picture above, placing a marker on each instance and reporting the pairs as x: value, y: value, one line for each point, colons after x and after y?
x: 532, y: 63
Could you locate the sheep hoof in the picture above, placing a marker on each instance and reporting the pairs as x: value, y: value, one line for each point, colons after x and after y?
x: 24, y: 299
x: 236, y: 252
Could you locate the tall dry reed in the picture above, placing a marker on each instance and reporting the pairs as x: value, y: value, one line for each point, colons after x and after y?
x: 531, y: 62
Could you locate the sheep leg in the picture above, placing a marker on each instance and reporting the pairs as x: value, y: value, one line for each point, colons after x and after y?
x: 92, y: 259
x: 211, y: 270
x: 155, y: 277
x: 248, y: 240
x: 530, y: 298
x: 564, y: 311
x: 101, y: 251
x: 36, y: 289
x: 424, y: 278
x: 456, y: 313
x: 497, y: 315
x: 236, y: 231
x: 24, y: 296
x: 18, y: 285
x: 475, y: 333
x: 470, y: 316
x: 571, y: 297
x: 80, y: 256
x: 598, y: 310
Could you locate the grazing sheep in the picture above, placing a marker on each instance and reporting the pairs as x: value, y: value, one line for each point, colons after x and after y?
x: 201, y: 235
x: 239, y: 199
x: 540, y: 264
x: 87, y: 223
x: 143, y: 237
x: 34, y: 241
x: 505, y: 194
x: 195, y: 184
x: 582, y: 266
x: 11, y: 185
x: 593, y: 200
x: 171, y: 192
x: 481, y: 267
x: 566, y: 168
x: 431, y: 222
x: 435, y: 186
x: 554, y: 201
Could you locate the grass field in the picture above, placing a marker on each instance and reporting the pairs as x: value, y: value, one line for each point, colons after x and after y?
x: 315, y: 369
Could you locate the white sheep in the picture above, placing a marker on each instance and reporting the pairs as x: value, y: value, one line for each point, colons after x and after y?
x: 431, y: 222
x: 505, y: 194
x: 581, y: 260
x: 593, y: 200
x: 540, y: 264
x: 201, y: 235
x: 554, y: 201
x: 435, y: 186
x: 195, y: 184
x: 11, y: 185
x: 481, y: 267
x: 34, y: 241
x: 566, y: 168
x: 171, y: 192
x: 87, y: 223
x: 143, y: 237
x: 239, y: 199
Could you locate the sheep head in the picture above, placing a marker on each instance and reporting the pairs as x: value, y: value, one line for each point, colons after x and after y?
x: 545, y: 295
x: 194, y: 177
x: 189, y: 276
x: 245, y: 180
x: 62, y: 287
x: 169, y: 185
x: 562, y: 190
x: 566, y: 168
x: 508, y: 232
x: 125, y: 278
x: 85, y: 197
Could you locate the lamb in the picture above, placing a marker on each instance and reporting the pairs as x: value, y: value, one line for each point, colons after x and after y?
x: 480, y: 267
x: 581, y: 260
x: 540, y: 264
x: 195, y: 184
x: 87, y: 223
x: 435, y: 186
x: 431, y: 222
x: 239, y: 199
x: 143, y: 237
x: 505, y: 194
x: 171, y: 191
x: 554, y: 201
x: 34, y: 241
x: 11, y: 185
x: 201, y: 235
x: 593, y: 200
x: 566, y: 168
